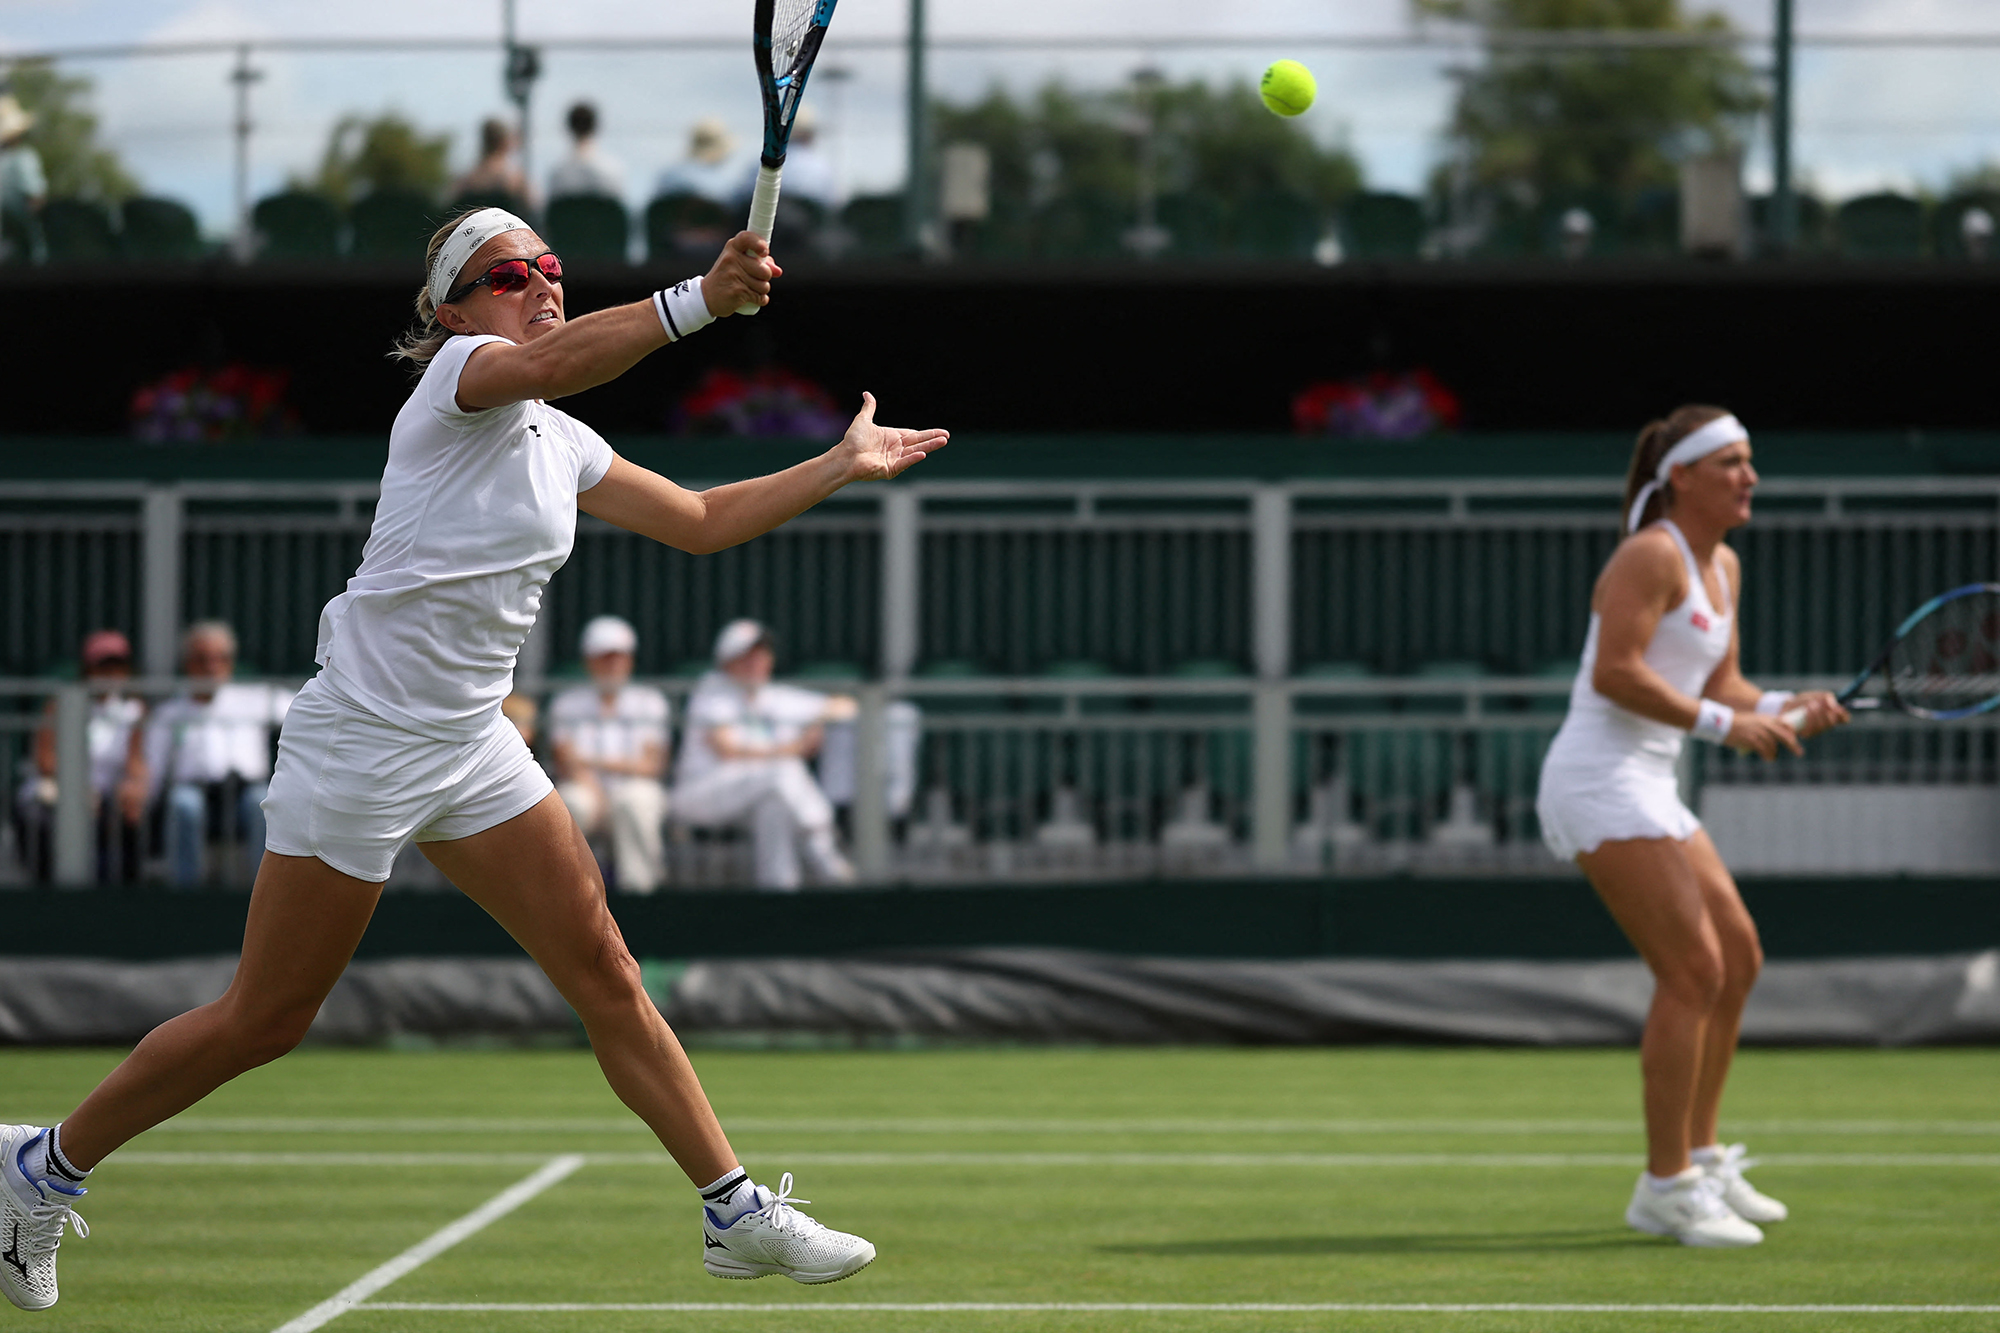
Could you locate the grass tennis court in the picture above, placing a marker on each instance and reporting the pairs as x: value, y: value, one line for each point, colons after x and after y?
x: 1200, y: 1177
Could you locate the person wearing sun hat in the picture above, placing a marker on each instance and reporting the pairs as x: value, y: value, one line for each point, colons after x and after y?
x: 117, y: 773
x: 610, y: 740
x: 743, y: 761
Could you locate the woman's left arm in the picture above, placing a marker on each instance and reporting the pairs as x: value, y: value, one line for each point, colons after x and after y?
x: 701, y: 522
x: 1728, y: 685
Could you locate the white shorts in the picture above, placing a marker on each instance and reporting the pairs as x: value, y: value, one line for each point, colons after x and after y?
x: 1585, y: 805
x: 354, y: 790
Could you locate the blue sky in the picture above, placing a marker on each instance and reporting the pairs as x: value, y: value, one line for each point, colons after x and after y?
x: 1868, y: 118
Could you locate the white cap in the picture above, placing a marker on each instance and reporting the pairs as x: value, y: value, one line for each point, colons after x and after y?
x: 609, y: 634
x: 737, y: 638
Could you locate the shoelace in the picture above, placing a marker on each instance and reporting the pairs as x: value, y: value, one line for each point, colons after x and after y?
x: 1733, y: 1163
x: 1706, y: 1195
x: 47, y: 1234
x: 785, y: 1217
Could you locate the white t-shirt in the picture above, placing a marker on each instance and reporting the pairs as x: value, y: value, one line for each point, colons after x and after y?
x: 478, y: 509
x: 191, y: 741
x: 775, y: 715
x: 635, y: 718
x: 110, y: 732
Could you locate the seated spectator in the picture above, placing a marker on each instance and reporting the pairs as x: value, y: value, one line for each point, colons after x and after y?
x: 586, y: 170
x: 209, y: 749
x: 496, y: 173
x: 610, y: 740
x: 743, y: 761
x: 117, y: 775
x: 24, y: 186
x: 523, y: 712
x: 710, y: 170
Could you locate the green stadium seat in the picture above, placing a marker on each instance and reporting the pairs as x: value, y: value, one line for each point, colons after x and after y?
x: 1377, y: 225
x: 394, y: 224
x: 159, y: 229
x: 694, y: 668
x: 296, y: 225
x: 78, y: 231
x: 1084, y: 223
x: 1226, y: 759
x: 1197, y: 222
x: 588, y: 226
x: 825, y: 671
x: 488, y: 199
x: 873, y: 226
x: 1276, y: 224
x: 684, y: 227
x: 1650, y: 226
x: 1881, y: 226
x: 1812, y: 217
x: 22, y: 236
x: 1949, y: 236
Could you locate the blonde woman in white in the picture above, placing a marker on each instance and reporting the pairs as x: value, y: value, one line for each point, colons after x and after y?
x: 400, y: 737
x: 1660, y: 664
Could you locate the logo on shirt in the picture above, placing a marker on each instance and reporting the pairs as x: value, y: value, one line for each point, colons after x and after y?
x: 1698, y: 620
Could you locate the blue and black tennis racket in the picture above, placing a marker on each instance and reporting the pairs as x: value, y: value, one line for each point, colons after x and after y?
x: 786, y: 40
x: 1942, y: 663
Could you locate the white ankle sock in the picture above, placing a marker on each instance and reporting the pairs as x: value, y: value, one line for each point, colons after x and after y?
x: 1667, y: 1184
x: 730, y: 1196
x: 1708, y: 1156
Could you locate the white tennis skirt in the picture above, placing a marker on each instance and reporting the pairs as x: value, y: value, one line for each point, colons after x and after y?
x: 354, y: 790
x: 1585, y: 804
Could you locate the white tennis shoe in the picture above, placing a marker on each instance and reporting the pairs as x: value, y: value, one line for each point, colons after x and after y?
x: 1743, y: 1198
x: 32, y: 1216
x: 775, y: 1237
x: 1692, y: 1212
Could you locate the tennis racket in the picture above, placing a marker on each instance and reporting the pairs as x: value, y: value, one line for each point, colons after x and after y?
x: 786, y: 40
x: 1942, y: 663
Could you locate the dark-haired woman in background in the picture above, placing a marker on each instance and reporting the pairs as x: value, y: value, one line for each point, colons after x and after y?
x: 1660, y: 663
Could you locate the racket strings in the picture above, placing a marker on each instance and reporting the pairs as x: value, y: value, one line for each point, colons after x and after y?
x: 1950, y: 659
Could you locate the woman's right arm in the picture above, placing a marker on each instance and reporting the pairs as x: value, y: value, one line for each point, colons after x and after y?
x: 596, y: 348
x: 1642, y: 582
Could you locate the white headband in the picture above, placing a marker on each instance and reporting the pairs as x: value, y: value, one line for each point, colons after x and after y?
x: 475, y: 231
x: 1696, y: 444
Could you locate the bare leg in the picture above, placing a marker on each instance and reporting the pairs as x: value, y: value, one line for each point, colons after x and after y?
x: 1742, y: 960
x: 305, y: 919
x: 536, y: 876
x: 1652, y: 891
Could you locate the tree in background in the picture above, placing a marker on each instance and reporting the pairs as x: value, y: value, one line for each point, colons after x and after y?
x: 384, y: 153
x: 1548, y: 122
x: 1208, y: 141
x: 65, y: 134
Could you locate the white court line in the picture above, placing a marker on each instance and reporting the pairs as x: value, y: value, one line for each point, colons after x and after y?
x: 1088, y: 1159
x: 1172, y: 1307
x: 631, y: 1125
x: 425, y: 1250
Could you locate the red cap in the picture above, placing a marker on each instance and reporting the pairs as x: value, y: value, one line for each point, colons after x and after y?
x: 103, y: 645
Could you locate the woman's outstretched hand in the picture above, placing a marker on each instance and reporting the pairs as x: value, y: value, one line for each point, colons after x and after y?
x: 876, y: 453
x: 742, y: 275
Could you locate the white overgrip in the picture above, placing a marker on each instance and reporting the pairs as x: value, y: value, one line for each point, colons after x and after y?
x: 763, y: 213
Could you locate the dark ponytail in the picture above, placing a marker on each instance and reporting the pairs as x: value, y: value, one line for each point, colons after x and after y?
x: 1654, y: 440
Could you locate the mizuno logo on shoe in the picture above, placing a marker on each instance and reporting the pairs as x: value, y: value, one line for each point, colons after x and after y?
x: 11, y: 1256
x: 711, y: 1243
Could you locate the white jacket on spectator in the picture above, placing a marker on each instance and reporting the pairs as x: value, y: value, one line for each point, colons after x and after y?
x: 188, y: 740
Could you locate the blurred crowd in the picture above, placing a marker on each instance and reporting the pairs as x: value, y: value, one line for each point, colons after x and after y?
x: 177, y: 784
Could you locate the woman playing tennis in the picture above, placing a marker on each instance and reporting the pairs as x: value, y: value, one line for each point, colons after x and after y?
x: 400, y: 736
x: 1660, y: 663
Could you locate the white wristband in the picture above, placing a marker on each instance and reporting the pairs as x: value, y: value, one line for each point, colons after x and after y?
x: 681, y: 309
x: 1772, y: 702
x: 1712, y: 722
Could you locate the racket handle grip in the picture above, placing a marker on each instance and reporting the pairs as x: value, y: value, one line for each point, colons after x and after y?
x: 1793, y: 718
x: 763, y: 214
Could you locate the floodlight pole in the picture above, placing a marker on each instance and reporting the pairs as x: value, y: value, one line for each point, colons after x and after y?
x: 916, y: 199
x: 243, y: 76
x: 1784, y: 204
x: 523, y: 65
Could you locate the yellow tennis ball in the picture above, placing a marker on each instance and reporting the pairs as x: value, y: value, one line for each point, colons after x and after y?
x: 1287, y: 88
